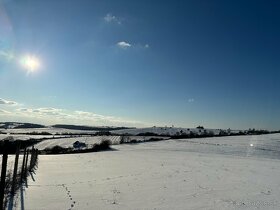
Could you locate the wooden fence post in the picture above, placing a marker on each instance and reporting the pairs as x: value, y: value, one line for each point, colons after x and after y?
x: 26, y: 161
x: 23, y: 162
x: 36, y: 156
x: 32, y: 161
x: 15, y: 168
x: 3, y: 175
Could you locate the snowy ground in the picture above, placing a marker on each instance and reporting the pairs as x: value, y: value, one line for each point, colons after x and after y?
x: 25, y: 133
x: 11, y: 162
x: 168, y: 131
x: 172, y: 174
x: 68, y: 142
x: 50, y: 130
x: 90, y: 141
x: 24, y: 137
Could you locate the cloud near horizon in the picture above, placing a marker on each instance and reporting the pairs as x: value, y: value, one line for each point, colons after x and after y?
x: 80, y: 117
x: 2, y: 111
x: 55, y: 115
x: 51, y: 114
x: 7, y: 102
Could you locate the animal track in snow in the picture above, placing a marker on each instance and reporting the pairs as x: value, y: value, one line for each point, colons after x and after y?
x: 68, y: 192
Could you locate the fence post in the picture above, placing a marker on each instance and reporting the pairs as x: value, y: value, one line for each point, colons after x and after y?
x: 23, y: 162
x: 15, y: 168
x: 26, y: 161
x: 3, y: 175
x: 32, y: 161
x: 36, y: 156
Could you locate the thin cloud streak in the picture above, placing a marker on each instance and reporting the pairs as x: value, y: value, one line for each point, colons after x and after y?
x: 51, y: 114
x: 2, y: 111
x: 63, y: 115
x: 125, y: 45
x: 7, y: 102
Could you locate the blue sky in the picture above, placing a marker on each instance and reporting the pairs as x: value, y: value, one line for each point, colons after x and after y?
x: 141, y: 63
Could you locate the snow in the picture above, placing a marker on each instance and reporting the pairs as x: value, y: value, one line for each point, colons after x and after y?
x: 24, y: 134
x: 68, y: 142
x: 11, y: 162
x: 51, y: 130
x: 90, y: 141
x: 24, y: 137
x: 165, y: 130
x: 171, y: 174
x: 267, y: 146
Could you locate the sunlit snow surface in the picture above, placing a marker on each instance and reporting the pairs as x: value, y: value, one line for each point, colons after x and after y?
x: 68, y: 142
x: 205, y: 173
x: 266, y: 146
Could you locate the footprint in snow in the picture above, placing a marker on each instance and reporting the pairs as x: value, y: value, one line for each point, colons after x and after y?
x: 266, y: 192
x: 70, y: 197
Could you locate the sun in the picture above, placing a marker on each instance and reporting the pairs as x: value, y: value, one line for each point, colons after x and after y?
x: 31, y: 63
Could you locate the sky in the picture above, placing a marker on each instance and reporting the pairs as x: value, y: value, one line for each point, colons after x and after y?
x: 141, y: 63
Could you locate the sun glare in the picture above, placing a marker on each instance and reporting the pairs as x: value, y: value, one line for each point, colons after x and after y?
x: 30, y: 63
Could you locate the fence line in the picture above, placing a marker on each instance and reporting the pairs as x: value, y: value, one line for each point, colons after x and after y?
x: 3, y: 177
x: 11, y: 183
x: 15, y: 169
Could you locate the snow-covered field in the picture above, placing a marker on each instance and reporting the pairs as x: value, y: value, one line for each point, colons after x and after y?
x: 11, y: 162
x: 23, y: 137
x: 168, y: 131
x: 50, y: 130
x: 68, y: 142
x: 267, y: 146
x: 90, y: 141
x: 171, y: 174
x: 25, y: 133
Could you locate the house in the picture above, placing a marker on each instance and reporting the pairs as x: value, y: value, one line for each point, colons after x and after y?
x: 78, y: 145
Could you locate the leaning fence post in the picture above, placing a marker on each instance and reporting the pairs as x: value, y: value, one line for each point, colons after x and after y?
x: 32, y: 161
x: 23, y: 162
x: 26, y: 161
x: 31, y: 157
x: 15, y: 168
x: 36, y: 157
x: 3, y: 175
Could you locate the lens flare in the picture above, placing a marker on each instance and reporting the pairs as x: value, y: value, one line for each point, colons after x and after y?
x: 30, y: 63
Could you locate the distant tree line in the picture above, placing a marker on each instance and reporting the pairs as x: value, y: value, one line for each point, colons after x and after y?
x: 88, y: 128
x: 15, y: 125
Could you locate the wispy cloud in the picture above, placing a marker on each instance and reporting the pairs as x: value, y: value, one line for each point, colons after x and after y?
x: 109, y: 18
x: 137, y: 46
x: 146, y: 46
x: 190, y: 100
x: 124, y: 45
x: 143, y: 46
x: 102, y: 118
x: 7, y: 102
x: 41, y: 112
x: 6, y: 55
x: 2, y: 111
x: 58, y: 115
x: 63, y: 115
